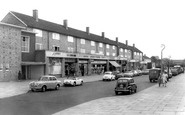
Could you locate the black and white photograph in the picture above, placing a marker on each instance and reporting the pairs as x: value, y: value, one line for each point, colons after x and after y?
x: 92, y: 57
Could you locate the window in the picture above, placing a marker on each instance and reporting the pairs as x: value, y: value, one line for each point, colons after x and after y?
x: 121, y: 55
x: 25, y: 44
x: 70, y: 39
x: 107, y: 53
x: 107, y: 46
x: 121, y: 50
x: 113, y: 54
x: 92, y: 43
x: 113, y: 47
x: 92, y: 51
x: 38, y: 46
x: 1, y: 67
x: 38, y: 32
x: 70, y: 49
x: 100, y: 52
x: 56, y: 48
x: 82, y: 50
x: 82, y: 41
x: 100, y: 45
x: 125, y: 50
x: 56, y: 36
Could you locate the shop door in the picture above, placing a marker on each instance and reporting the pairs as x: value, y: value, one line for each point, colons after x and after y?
x: 25, y: 72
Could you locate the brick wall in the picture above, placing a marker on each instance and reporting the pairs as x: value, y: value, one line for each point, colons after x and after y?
x: 10, y: 50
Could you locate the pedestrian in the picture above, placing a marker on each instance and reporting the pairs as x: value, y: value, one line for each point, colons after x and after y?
x: 164, y: 78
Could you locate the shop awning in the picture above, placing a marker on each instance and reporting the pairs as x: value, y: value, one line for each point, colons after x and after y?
x: 115, y: 64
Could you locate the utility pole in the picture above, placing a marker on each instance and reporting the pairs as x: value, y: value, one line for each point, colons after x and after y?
x: 163, y: 47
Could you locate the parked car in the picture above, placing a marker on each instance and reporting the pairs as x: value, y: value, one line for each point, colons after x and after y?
x: 115, y: 72
x: 145, y: 71
x: 108, y: 76
x: 119, y: 75
x: 73, y: 81
x: 45, y: 82
x: 135, y: 73
x: 129, y: 74
x: 125, y: 85
x: 154, y: 74
x: 174, y: 71
x: 139, y: 72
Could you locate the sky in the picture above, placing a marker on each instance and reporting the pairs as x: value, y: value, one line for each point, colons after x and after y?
x: 145, y: 23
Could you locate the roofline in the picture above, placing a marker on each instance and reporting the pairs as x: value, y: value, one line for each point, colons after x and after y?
x: 28, y: 31
x: 18, y: 18
x: 6, y: 24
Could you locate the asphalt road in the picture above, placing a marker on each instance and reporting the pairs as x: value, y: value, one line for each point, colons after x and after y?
x: 47, y: 103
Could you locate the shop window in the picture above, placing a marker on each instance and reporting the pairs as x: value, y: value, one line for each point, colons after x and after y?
x: 56, y: 36
x: 38, y: 46
x: 82, y: 41
x: 7, y: 67
x: 56, y: 48
x: 1, y: 67
x: 70, y: 39
x: 101, y: 45
x: 38, y: 32
x: 107, y: 46
x: 92, y: 43
x: 25, y: 43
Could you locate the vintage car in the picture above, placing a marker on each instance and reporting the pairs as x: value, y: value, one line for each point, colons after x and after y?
x: 108, y: 76
x: 45, y: 82
x: 135, y: 73
x: 119, y: 75
x: 174, y: 71
x: 129, y: 74
x: 139, y: 72
x: 125, y: 85
x: 154, y: 74
x: 145, y: 71
x: 73, y: 81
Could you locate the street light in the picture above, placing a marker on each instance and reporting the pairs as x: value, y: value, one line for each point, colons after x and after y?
x: 163, y: 47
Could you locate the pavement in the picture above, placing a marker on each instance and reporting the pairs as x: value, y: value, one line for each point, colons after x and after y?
x: 13, y: 88
x: 155, y: 100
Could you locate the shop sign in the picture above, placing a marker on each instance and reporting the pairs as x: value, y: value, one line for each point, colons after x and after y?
x: 55, y: 54
x: 98, y: 62
x: 71, y: 55
x: 82, y: 61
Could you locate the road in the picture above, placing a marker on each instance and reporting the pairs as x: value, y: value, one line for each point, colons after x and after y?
x: 47, y: 103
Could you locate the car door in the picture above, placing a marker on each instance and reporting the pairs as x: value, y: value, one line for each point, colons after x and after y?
x: 53, y: 82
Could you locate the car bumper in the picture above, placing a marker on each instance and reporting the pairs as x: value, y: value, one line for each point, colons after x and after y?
x: 35, y: 87
x: 122, y: 90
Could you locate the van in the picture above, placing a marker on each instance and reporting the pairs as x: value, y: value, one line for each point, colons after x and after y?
x: 154, y: 74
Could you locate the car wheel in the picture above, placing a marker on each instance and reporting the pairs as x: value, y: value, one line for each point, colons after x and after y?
x: 135, y: 90
x: 57, y: 87
x: 74, y: 84
x: 116, y: 93
x: 44, y: 88
x: 150, y: 81
x: 32, y: 90
x: 81, y: 82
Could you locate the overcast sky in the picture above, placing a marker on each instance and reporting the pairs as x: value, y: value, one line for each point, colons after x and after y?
x: 147, y: 23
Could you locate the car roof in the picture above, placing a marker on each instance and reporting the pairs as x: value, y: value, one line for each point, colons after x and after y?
x: 48, y: 76
x: 127, y: 78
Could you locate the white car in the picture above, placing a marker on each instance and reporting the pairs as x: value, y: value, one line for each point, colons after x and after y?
x: 45, y: 82
x: 108, y: 76
x: 73, y: 81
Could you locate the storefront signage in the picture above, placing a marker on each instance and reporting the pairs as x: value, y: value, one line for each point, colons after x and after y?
x: 60, y: 54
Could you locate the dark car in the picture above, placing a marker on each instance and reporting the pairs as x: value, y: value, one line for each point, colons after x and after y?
x: 119, y: 75
x: 145, y: 72
x: 154, y: 74
x: 174, y: 71
x: 125, y: 84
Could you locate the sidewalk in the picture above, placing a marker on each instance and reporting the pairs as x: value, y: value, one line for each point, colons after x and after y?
x: 12, y: 88
x: 155, y: 100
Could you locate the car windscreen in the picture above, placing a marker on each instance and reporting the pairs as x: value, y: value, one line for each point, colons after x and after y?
x: 122, y: 81
x: 43, y: 79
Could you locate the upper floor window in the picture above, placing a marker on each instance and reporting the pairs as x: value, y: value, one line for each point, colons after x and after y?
x: 56, y: 36
x: 25, y: 43
x: 125, y: 50
x: 121, y: 50
x: 56, y: 48
x: 70, y: 39
x: 38, y: 46
x: 92, y: 43
x: 107, y: 46
x: 82, y: 41
x: 101, y: 45
x: 107, y: 54
x: 113, y: 54
x: 82, y: 50
x: 92, y: 51
x: 38, y: 32
x: 100, y: 52
x: 113, y: 47
x: 121, y: 55
x: 70, y: 49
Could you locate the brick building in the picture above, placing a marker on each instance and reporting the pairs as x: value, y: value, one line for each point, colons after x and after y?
x: 60, y: 50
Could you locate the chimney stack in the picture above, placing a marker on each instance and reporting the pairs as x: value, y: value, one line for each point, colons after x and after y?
x: 103, y: 34
x: 87, y: 30
x: 126, y: 42
x: 134, y: 45
x: 35, y: 15
x: 65, y: 24
x: 117, y: 40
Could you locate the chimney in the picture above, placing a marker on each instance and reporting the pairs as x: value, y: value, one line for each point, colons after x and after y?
x: 117, y: 40
x: 126, y: 42
x: 134, y: 45
x: 65, y: 24
x: 87, y: 30
x: 103, y: 34
x: 35, y: 15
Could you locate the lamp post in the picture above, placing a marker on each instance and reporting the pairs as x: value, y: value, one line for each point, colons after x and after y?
x: 163, y: 47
